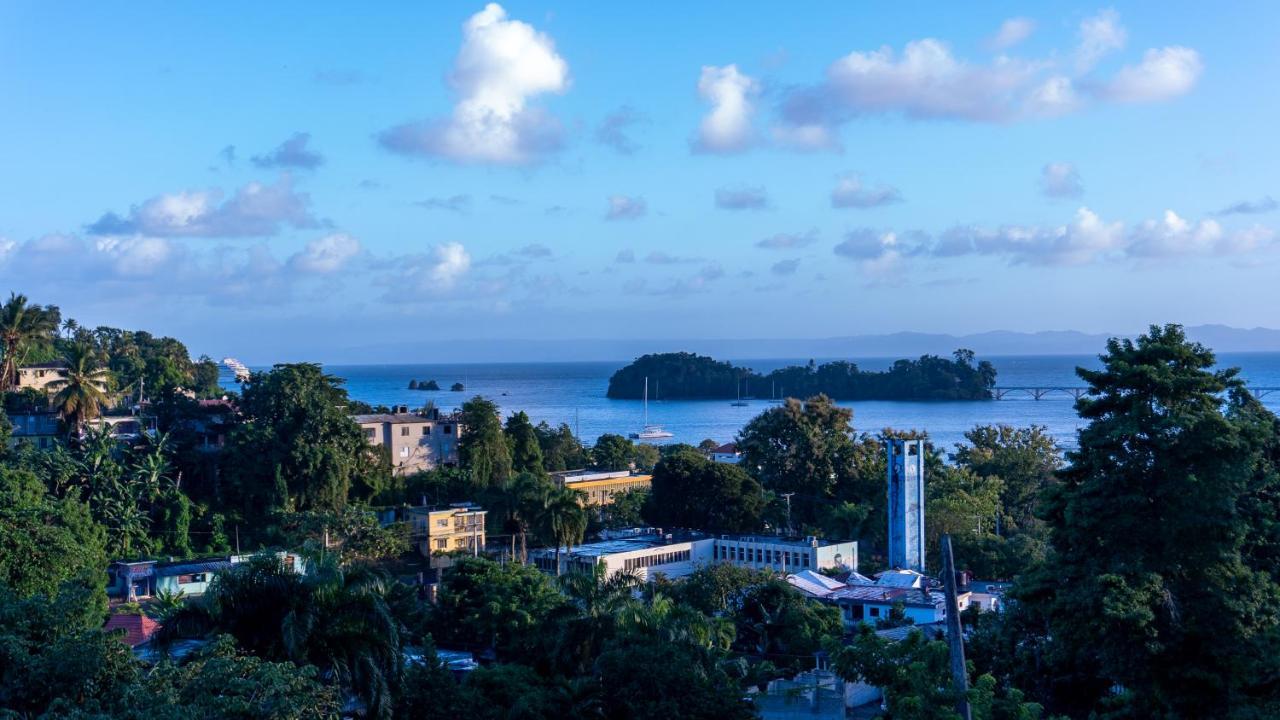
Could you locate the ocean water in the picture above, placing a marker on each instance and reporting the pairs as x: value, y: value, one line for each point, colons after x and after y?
x: 574, y: 393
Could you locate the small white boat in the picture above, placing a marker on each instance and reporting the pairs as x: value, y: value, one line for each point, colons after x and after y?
x: 650, y: 432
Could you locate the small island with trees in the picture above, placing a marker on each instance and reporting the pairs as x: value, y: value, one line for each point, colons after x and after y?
x: 424, y: 385
x: 687, y: 376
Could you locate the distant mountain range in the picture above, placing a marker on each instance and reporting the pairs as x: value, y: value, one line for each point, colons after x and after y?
x: 1220, y: 338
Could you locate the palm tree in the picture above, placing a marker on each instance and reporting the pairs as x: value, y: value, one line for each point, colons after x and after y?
x: 336, y: 618
x: 21, y: 325
x: 562, y: 520
x: 69, y: 327
x: 82, y: 393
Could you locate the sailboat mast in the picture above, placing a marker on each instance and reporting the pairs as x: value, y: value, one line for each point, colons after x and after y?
x: 646, y: 400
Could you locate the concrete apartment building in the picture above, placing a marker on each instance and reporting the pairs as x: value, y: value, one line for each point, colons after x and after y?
x: 648, y: 552
x: 416, y: 441
x: 39, y: 376
x: 599, y: 488
x: 435, y: 532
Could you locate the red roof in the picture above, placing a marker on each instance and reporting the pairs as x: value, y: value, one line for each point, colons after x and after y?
x: 726, y: 449
x: 137, y: 628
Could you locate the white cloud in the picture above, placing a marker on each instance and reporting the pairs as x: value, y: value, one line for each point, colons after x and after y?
x: 325, y: 255
x: 1100, y: 35
x: 255, y: 210
x: 1086, y: 238
x: 1265, y: 204
x: 1172, y: 235
x: 1012, y: 32
x: 136, y: 256
x: 727, y: 127
x: 1060, y: 180
x: 622, y: 207
x: 1163, y: 74
x: 502, y: 66
x: 926, y: 80
x: 851, y: 193
x: 449, y: 262
x: 292, y: 153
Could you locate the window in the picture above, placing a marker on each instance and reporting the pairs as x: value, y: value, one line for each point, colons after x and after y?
x: 191, y: 578
x: 442, y: 544
x: 404, y: 431
x: 370, y: 433
x: 426, y: 430
x: 448, y: 429
x: 873, y: 612
x: 404, y: 452
x: 855, y: 612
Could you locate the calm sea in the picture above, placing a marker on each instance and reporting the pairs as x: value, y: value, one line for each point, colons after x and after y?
x: 574, y: 393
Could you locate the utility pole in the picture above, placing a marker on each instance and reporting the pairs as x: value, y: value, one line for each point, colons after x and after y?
x: 955, y: 633
x: 788, y: 497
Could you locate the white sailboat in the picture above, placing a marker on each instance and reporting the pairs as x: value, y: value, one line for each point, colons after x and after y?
x: 650, y: 432
x: 739, y: 402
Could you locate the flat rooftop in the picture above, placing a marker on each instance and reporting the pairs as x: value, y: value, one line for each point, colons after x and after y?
x: 631, y: 544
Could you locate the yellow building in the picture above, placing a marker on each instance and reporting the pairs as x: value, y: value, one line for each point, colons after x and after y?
x: 599, y: 488
x: 439, y: 531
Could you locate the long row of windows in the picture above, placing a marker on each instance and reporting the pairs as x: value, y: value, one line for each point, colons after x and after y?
x: 763, y: 556
x: 656, y: 559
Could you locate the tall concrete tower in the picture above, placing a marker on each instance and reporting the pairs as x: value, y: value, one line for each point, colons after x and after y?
x: 906, y: 504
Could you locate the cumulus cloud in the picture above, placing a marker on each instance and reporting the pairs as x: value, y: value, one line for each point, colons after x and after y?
x: 1085, y: 239
x: 255, y: 210
x: 437, y: 270
x: 136, y: 256
x: 1172, y: 235
x: 502, y: 67
x: 1060, y: 180
x: 927, y: 80
x: 325, y: 255
x: 1249, y: 207
x: 850, y: 193
x: 785, y: 267
x: 613, y: 130
x: 880, y: 254
x: 1100, y: 35
x: 784, y: 241
x: 726, y: 128
x: 292, y: 153
x: 452, y: 203
x: 1163, y: 74
x: 622, y: 207
x: 743, y: 198
x: 1012, y: 32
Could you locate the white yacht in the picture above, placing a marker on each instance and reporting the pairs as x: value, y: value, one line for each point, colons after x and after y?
x: 650, y: 432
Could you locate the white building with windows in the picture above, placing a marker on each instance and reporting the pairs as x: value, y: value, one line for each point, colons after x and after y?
x: 650, y: 552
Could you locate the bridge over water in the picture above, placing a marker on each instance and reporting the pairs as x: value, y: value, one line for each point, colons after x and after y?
x: 1076, y: 392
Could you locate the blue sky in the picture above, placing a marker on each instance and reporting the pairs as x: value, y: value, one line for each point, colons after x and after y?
x: 282, y: 181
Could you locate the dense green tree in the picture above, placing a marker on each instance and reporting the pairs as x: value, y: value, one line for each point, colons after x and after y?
x: 560, y: 448
x: 46, y: 541
x: 915, y: 676
x: 804, y: 448
x: 690, y: 491
x: 353, y: 534
x: 484, y: 604
x: 1146, y: 586
x: 962, y: 504
x: 612, y: 452
x: 336, y: 618
x: 648, y: 678
x: 483, y: 448
x: 1025, y: 460
x: 526, y: 452
x: 776, y: 622
x: 296, y: 447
